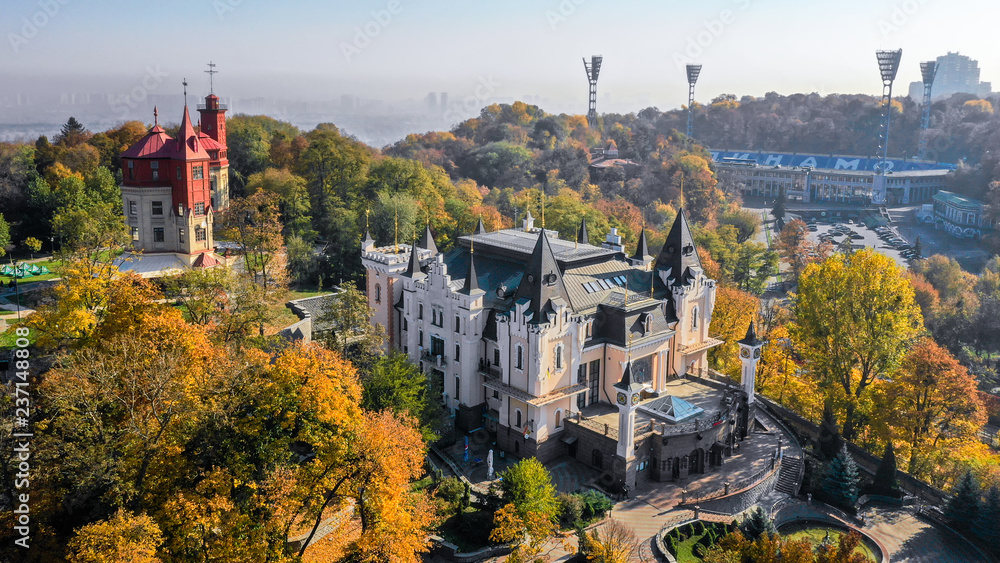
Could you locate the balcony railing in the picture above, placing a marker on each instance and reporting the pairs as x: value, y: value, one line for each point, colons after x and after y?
x: 493, y: 372
x: 434, y: 359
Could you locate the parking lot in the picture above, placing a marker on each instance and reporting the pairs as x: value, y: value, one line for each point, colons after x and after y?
x: 887, y: 240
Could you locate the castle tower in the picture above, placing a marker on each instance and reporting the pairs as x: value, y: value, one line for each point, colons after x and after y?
x: 642, y: 258
x: 627, y: 398
x: 750, y: 348
x: 213, y: 137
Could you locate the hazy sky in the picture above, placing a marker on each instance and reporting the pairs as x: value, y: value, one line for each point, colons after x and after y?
x: 310, y: 49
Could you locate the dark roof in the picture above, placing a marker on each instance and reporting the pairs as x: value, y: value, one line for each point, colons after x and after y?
x: 582, y: 236
x: 543, y: 281
x: 518, y: 244
x: 471, y: 278
x: 626, y: 383
x: 368, y: 237
x: 641, y: 249
x: 679, y: 253
x: 413, y: 267
x: 480, y: 228
x: 751, y: 338
x: 427, y: 241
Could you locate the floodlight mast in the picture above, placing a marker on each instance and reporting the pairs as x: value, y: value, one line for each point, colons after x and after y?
x: 888, y: 65
x: 593, y: 69
x: 928, y: 70
x: 692, y: 73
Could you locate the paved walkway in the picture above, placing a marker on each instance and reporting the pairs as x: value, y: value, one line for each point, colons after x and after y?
x: 911, y: 538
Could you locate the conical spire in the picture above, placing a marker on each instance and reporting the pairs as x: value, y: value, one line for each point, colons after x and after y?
x: 751, y: 338
x: 368, y: 238
x: 628, y: 382
x: 678, y: 252
x: 427, y: 241
x: 413, y: 268
x: 471, y: 279
x: 480, y: 228
x: 641, y: 249
x: 582, y: 236
x: 542, y: 280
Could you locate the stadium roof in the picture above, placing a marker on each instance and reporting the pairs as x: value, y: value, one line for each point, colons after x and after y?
x: 826, y: 161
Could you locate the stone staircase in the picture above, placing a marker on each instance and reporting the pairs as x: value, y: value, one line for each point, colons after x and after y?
x: 788, y: 476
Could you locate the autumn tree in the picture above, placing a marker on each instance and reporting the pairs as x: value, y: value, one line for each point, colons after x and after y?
x: 4, y: 235
x: 932, y: 406
x: 531, y: 511
x: 351, y: 332
x: 395, y: 384
x: 254, y: 224
x: 796, y: 248
x: 32, y: 244
x: 228, y: 305
x: 293, y: 199
x: 613, y: 542
x: 733, y: 313
x: 124, y: 538
x: 856, y: 317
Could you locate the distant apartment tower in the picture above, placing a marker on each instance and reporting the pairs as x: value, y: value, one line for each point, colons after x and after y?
x: 443, y: 105
x: 432, y: 103
x: 955, y: 74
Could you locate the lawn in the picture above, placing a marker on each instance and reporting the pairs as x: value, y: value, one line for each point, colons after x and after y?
x: 53, y: 265
x: 469, y: 530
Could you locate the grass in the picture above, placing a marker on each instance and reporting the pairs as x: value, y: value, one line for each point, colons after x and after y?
x: 282, y: 316
x: 815, y: 534
x: 8, y: 338
x: 53, y: 265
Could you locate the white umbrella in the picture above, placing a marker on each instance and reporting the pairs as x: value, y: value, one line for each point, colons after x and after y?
x: 489, y: 465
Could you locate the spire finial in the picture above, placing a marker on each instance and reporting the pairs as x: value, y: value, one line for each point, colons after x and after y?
x: 156, y: 117
x: 682, y: 189
x: 185, y: 83
x: 211, y: 71
x: 367, y: 211
x: 630, y: 336
x: 543, y: 208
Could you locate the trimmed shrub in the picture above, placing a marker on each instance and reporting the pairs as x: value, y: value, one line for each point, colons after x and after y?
x: 571, y: 509
x: 595, y: 504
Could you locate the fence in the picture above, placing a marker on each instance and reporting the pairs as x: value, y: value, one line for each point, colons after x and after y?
x: 733, y: 489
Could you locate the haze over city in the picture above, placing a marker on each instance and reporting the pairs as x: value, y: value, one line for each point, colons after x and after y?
x: 388, y: 56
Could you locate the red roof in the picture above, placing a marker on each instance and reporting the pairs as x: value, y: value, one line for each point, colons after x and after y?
x: 189, y: 145
x: 206, y: 260
x: 156, y: 144
x: 209, y: 143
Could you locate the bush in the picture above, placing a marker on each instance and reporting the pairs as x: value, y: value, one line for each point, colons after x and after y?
x: 671, y: 545
x: 595, y: 504
x: 451, y: 490
x: 571, y: 509
x: 699, y: 550
x: 699, y: 527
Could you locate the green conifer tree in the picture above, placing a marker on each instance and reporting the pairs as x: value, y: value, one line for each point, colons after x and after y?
x: 963, y: 507
x: 840, y: 485
x: 886, y: 482
x: 987, y: 525
x: 756, y: 524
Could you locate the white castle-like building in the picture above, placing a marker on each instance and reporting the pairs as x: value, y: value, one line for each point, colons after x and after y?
x: 560, y: 347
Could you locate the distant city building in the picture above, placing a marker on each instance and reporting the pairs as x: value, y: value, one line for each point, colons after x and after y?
x: 561, y: 348
x: 443, y: 103
x: 961, y: 216
x: 432, y: 103
x: 171, y: 190
x: 955, y: 74
x: 811, y: 178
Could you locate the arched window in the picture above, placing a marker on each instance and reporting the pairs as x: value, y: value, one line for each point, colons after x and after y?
x: 519, y: 360
x: 559, y: 418
x: 517, y: 418
x: 694, y: 318
x: 378, y: 293
x: 559, y: 357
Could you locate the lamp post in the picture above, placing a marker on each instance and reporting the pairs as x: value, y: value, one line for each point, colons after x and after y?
x: 17, y: 294
x: 888, y: 65
x: 593, y: 69
x: 693, y: 71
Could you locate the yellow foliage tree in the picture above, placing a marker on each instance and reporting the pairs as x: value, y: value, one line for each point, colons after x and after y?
x: 124, y: 538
